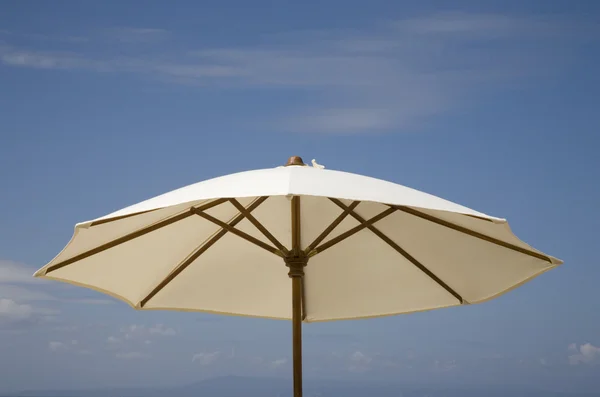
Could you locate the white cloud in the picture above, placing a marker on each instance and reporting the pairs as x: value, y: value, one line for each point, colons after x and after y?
x: 373, y: 80
x: 133, y: 331
x: 46, y: 37
x: 348, y: 120
x: 132, y: 355
x: 279, y: 362
x: 462, y: 23
x: 573, y: 347
x: 57, y: 346
x: 444, y: 365
x: 91, y: 301
x: 14, y: 315
x: 138, y: 332
x: 586, y: 354
x: 61, y: 61
x: 18, y: 284
x: 12, y: 311
x: 161, y: 329
x: 206, y: 358
x: 113, y: 340
x: 137, y: 338
x: 131, y: 35
x: 73, y: 346
x: 257, y: 360
x: 16, y: 273
x: 360, y: 357
x: 67, y: 328
x: 127, y: 35
x: 359, y: 362
x: 29, y: 294
x: 21, y: 294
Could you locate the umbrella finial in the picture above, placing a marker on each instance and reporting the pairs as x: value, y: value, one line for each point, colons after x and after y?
x: 295, y: 160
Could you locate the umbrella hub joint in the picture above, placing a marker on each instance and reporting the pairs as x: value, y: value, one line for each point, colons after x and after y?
x: 296, y: 264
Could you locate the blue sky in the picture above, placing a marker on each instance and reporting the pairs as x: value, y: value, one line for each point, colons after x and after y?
x: 492, y: 105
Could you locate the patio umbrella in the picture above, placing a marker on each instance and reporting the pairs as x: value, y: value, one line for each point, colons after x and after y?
x: 353, y: 246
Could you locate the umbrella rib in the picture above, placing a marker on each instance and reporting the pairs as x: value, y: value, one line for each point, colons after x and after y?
x: 259, y: 226
x: 470, y: 232
x: 199, y: 251
x: 402, y: 252
x: 133, y: 235
x: 239, y: 233
x: 332, y: 226
x: 364, y: 224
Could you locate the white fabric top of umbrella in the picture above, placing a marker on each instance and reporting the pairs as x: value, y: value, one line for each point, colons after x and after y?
x: 373, y: 248
x: 298, y: 180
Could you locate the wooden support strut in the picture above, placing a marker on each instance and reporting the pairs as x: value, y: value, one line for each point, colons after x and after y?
x: 200, y: 250
x: 133, y: 235
x: 400, y: 250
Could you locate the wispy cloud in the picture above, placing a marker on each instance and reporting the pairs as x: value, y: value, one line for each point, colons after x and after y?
x: 141, y: 332
x: 206, y: 358
x: 73, y: 347
x: 359, y: 362
x: 133, y: 355
x: 10, y: 311
x: 56, y: 346
x: 137, y: 338
x: 44, y: 37
x: 127, y: 35
x: 280, y: 362
x: 88, y: 301
x: 544, y: 362
x: 15, y: 315
x: 444, y: 365
x: 16, y: 273
x: 161, y: 329
x: 132, y: 35
x: 17, y: 284
x: 380, y: 79
x: 23, y: 294
x: 462, y: 23
x: 584, y: 354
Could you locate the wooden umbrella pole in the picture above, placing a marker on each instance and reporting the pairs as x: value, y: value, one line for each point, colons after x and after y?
x: 296, y: 274
x: 296, y: 260
x: 297, y: 333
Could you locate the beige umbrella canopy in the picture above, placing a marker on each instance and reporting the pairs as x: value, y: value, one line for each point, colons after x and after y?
x: 353, y: 247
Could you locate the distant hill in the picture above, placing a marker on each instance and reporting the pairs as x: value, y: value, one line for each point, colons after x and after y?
x: 275, y: 387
